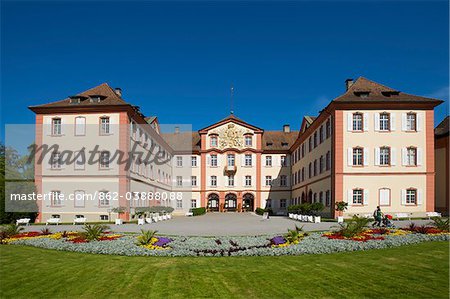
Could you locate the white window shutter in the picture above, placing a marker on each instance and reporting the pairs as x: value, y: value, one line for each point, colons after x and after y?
x: 218, y: 180
x: 80, y: 126
x: 219, y: 161
x: 403, y: 197
x: 366, y: 156
x: 47, y: 129
x: 377, y: 122
x: 63, y: 126
x: 366, y: 197
x: 208, y: 160
x: 419, y: 124
x: 419, y: 156
x: 350, y: 197
x: 377, y: 156
x: 112, y: 127
x: 253, y: 159
x: 404, y: 156
x: 419, y: 197
x: 350, y: 156
x: 243, y: 180
x: 349, y: 121
x: 392, y: 121
x: 393, y: 156
x: 403, y: 121
x: 366, y: 121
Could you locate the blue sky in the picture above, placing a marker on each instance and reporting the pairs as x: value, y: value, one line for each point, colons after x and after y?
x: 177, y: 60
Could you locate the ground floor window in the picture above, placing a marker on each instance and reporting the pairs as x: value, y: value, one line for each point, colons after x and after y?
x: 104, y: 217
x: 193, y: 203
x: 327, y: 198
x: 282, y: 203
x: 179, y: 204
x: 411, y: 196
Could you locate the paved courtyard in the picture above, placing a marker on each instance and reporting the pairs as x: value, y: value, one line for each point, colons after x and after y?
x: 219, y: 224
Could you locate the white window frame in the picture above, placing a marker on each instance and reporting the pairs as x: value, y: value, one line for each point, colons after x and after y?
x: 103, y: 162
x: 213, y: 181
x: 105, y: 125
x: 248, y: 180
x: 268, y: 180
x: 357, y: 122
x: 268, y: 161
x: 248, y: 160
x: 194, y: 181
x: 213, y: 160
x: 179, y: 161
x: 194, y: 161
x: 358, y: 197
x: 248, y: 140
x: 385, y: 122
x: 56, y: 126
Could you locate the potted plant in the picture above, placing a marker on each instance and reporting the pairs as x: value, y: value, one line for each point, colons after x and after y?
x: 119, y: 210
x: 316, y: 208
x: 340, y: 208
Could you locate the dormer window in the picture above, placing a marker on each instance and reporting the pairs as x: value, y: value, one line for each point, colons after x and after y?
x: 284, y: 144
x: 95, y: 99
x: 75, y: 100
x: 269, y: 143
x: 362, y: 94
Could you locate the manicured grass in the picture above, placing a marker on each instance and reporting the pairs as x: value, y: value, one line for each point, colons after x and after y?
x: 417, y: 271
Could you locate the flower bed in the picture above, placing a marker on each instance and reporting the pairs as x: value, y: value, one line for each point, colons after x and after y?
x: 315, y: 243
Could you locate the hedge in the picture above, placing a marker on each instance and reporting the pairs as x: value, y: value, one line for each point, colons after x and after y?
x: 198, y: 211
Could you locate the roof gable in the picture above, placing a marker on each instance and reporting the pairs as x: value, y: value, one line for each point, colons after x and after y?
x: 365, y: 91
x: 228, y: 119
x: 107, y: 94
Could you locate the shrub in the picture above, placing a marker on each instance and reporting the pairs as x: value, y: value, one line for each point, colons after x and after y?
x: 11, y: 230
x: 305, y: 208
x: 441, y: 224
x: 261, y: 211
x: 198, y: 211
x: 341, y: 206
x: 294, y: 209
x: 94, y: 231
x: 353, y: 227
x: 317, y: 207
x: 146, y: 236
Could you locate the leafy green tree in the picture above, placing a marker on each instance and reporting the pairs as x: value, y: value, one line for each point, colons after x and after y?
x: 18, y: 172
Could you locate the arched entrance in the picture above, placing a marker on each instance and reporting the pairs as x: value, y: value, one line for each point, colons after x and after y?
x: 230, y: 202
x: 248, y: 202
x: 310, y: 196
x: 303, y: 197
x: 213, y: 202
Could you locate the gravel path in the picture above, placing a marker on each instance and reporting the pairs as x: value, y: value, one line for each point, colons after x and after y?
x: 219, y: 224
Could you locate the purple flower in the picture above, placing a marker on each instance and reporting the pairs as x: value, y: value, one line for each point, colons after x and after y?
x: 278, y: 240
x: 162, y: 242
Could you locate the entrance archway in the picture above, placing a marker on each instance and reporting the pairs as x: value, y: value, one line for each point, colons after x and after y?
x: 230, y: 202
x: 248, y: 202
x: 303, y: 197
x: 213, y: 202
x: 310, y: 196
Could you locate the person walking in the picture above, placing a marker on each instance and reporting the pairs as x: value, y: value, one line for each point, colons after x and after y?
x: 378, y: 216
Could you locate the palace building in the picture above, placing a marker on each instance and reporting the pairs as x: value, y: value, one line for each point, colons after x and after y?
x: 371, y: 146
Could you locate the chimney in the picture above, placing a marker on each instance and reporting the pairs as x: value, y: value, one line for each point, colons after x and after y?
x: 118, y: 91
x: 286, y: 128
x: 348, y: 84
x: 177, y: 130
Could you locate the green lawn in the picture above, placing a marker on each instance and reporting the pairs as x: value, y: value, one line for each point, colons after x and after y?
x: 420, y: 271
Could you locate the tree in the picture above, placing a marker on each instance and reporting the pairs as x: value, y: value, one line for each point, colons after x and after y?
x: 16, y: 173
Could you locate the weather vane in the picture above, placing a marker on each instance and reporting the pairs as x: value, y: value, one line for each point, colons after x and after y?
x: 231, y: 98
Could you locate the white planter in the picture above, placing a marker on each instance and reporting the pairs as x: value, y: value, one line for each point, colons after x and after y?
x: 340, y: 219
x: 316, y: 219
x: 291, y: 215
x: 141, y: 221
x: 310, y: 218
x: 119, y: 221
